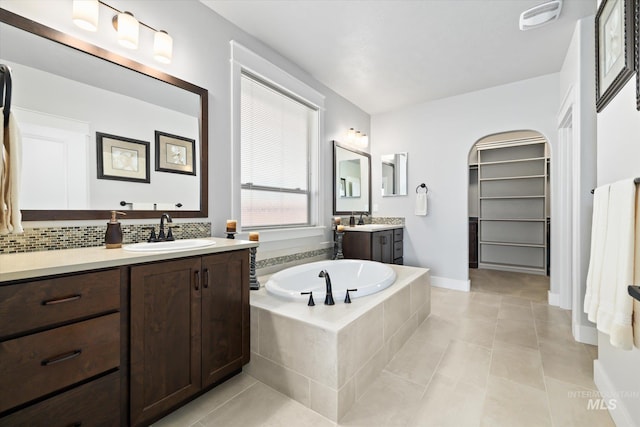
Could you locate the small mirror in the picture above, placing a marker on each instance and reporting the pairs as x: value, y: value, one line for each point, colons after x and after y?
x: 394, y: 174
x: 352, y: 180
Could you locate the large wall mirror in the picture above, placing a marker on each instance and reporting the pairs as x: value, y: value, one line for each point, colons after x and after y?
x: 394, y: 174
x: 351, y: 180
x: 99, y: 130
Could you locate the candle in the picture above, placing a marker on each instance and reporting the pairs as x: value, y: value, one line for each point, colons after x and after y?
x: 231, y: 226
x: 254, y: 236
x: 340, y: 228
x: 337, y: 220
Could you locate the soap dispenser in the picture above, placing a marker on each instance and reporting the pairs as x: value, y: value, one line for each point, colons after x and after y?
x: 113, y: 236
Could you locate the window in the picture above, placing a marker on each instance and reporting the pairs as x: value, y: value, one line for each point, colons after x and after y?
x: 276, y: 132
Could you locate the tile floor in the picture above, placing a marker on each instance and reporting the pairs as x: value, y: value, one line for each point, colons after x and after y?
x: 497, y: 356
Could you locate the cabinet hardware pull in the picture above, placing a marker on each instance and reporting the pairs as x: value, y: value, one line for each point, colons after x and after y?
x: 62, y: 299
x: 61, y: 358
x: 206, y: 278
x: 197, y: 277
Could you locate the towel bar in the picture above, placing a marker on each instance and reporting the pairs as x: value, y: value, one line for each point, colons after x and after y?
x: 634, y: 291
x: 635, y: 181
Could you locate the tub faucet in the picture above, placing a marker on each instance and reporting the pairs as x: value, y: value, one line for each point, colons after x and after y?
x: 328, y: 299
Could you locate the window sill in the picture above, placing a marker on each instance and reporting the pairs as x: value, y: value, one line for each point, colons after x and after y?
x: 278, y: 234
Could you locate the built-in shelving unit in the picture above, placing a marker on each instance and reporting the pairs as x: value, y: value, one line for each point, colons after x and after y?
x: 512, y: 204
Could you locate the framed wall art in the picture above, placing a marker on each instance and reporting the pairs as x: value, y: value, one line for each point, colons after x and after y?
x: 175, y: 154
x: 614, y: 48
x: 122, y: 159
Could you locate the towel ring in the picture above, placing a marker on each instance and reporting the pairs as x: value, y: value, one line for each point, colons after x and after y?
x: 423, y: 185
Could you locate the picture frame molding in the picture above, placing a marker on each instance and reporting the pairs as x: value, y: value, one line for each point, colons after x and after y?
x: 605, y: 95
x: 105, y: 173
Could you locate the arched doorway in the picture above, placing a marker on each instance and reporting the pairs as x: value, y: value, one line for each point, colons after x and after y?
x: 509, y: 203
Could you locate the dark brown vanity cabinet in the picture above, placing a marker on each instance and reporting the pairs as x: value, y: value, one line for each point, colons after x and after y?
x: 383, y: 246
x: 61, y: 350
x: 189, y: 329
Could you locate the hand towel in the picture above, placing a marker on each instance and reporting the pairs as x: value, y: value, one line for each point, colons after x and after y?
x: 10, y: 169
x: 615, y: 304
x: 421, y: 204
x: 141, y: 206
x: 598, y: 237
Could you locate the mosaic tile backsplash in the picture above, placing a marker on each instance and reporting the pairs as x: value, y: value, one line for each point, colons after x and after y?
x: 53, y: 238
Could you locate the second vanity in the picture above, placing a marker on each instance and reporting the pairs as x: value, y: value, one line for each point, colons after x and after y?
x: 375, y: 242
x: 111, y: 337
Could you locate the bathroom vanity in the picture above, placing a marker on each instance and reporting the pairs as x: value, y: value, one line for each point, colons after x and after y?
x: 109, y: 337
x: 375, y: 242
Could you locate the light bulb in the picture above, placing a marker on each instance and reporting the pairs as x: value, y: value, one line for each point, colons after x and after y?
x: 162, y: 47
x: 85, y: 14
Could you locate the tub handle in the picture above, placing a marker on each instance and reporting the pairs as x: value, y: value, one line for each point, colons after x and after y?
x: 311, y: 301
x: 347, y: 298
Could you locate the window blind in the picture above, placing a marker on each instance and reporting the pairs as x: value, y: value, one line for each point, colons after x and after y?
x: 275, y: 132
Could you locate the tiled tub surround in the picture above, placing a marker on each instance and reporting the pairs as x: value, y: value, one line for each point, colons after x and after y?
x: 85, y: 236
x: 325, y: 357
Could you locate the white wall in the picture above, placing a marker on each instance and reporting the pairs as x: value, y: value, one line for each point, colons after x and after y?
x: 618, y: 371
x: 201, y: 56
x: 438, y: 136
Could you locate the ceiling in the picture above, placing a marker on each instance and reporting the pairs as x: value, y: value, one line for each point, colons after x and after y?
x: 383, y: 55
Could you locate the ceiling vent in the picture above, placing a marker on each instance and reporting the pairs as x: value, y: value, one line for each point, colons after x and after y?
x: 540, y: 15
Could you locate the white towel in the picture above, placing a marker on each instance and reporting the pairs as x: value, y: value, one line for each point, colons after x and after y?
x: 615, y: 306
x: 421, y: 204
x: 598, y: 238
x: 138, y: 206
x: 10, y: 169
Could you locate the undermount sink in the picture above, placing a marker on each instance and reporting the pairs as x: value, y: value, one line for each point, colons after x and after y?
x: 372, y: 227
x: 175, y: 245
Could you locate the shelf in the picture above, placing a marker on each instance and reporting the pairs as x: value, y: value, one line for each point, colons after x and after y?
x: 515, y: 219
x: 507, y: 178
x: 499, y: 162
x: 510, y: 197
x: 523, y: 245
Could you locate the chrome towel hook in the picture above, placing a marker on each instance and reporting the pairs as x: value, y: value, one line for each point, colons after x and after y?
x: 423, y: 185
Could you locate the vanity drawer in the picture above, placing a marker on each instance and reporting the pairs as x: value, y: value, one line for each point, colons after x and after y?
x: 397, y: 234
x: 93, y: 404
x: 32, y: 305
x: 37, y: 364
x: 397, y: 249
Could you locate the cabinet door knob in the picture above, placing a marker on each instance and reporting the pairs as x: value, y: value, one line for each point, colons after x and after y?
x: 197, y: 280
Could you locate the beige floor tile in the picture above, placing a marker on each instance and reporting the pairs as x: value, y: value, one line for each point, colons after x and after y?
x: 263, y: 406
x: 476, y: 331
x: 509, y: 404
x: 551, y: 314
x: 390, y: 401
x: 515, y: 312
x: 417, y: 360
x: 559, y: 333
x: 449, y: 403
x: 517, y: 332
x: 437, y: 330
x: 478, y: 310
x: 203, y: 405
x: 518, y: 364
x: 486, y: 298
x: 566, y: 362
x: 466, y: 362
x: 570, y: 406
x: 507, y: 299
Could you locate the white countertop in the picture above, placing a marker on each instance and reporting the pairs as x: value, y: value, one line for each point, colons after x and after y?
x: 36, y: 264
x: 370, y: 228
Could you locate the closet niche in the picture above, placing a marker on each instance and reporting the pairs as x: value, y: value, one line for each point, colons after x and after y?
x: 509, y: 203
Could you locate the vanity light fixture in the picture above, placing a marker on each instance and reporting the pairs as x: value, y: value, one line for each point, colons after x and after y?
x: 85, y: 16
x: 358, y: 138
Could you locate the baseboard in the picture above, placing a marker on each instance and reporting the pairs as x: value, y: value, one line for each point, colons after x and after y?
x: 453, y: 284
x: 553, y: 299
x: 620, y: 415
x: 585, y: 334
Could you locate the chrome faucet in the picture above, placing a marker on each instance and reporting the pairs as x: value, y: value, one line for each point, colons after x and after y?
x: 328, y: 299
x: 161, y: 235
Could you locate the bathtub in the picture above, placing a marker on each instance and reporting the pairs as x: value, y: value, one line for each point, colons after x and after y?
x: 368, y: 277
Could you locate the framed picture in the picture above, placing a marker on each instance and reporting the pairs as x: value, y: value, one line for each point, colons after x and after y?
x: 122, y: 159
x: 614, y: 48
x: 175, y: 154
x: 637, y: 14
